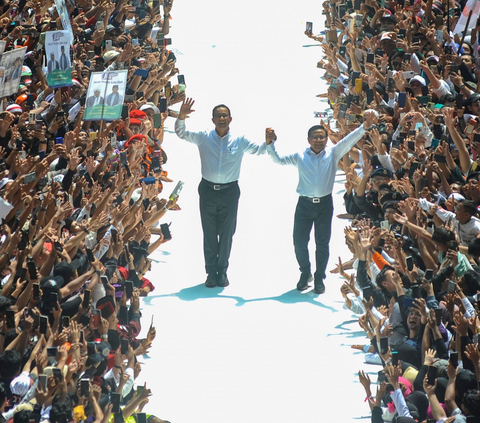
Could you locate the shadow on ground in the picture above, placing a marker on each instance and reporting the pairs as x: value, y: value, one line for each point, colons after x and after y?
x: 198, y: 292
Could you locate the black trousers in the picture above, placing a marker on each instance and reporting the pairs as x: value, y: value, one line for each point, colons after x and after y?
x: 308, y: 214
x: 218, y: 211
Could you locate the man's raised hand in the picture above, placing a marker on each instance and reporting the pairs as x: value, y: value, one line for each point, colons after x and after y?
x: 270, y: 136
x: 186, y: 108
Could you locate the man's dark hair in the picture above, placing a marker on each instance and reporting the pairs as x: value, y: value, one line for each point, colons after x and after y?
x: 382, y: 276
x: 468, y: 54
x: 10, y: 362
x: 471, y: 282
x: 5, y: 304
x: 386, y: 109
x: 219, y: 107
x: 22, y: 416
x: 447, y: 98
x: 316, y: 128
x: 443, y: 236
x: 471, y: 400
x: 60, y: 408
x: 469, y: 206
x: 474, y: 247
x: 3, y: 395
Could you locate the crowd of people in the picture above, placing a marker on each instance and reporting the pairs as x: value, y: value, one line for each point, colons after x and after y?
x: 81, y: 205
x: 412, y: 194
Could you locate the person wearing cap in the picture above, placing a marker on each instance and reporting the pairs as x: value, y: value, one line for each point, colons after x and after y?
x: 95, y: 99
x: 416, y: 83
x: 221, y: 154
x: 380, y: 193
x: 387, y: 43
x: 109, y: 59
x: 439, y: 86
x: 389, y: 210
x: 14, y: 108
x: 64, y: 60
x: 114, y: 98
x: 317, y: 167
x: 387, y: 22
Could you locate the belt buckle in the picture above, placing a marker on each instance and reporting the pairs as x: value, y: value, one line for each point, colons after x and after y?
x: 316, y: 200
x: 216, y: 187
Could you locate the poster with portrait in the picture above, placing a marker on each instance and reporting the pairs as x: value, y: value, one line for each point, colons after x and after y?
x: 64, y: 18
x: 59, y: 67
x: 105, y: 96
x: 11, y: 71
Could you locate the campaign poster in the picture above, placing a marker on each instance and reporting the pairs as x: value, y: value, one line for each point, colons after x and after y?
x: 64, y: 18
x: 105, y: 96
x: 11, y: 64
x: 59, y: 68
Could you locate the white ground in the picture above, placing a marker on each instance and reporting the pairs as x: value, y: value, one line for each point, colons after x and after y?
x: 259, y: 350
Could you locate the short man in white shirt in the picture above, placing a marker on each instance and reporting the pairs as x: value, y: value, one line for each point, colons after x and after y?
x: 317, y: 167
x: 221, y: 155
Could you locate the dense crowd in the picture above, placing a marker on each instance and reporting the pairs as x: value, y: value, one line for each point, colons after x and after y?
x: 81, y: 208
x: 412, y: 192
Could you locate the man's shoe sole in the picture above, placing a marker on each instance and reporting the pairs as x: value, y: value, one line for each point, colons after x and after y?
x: 319, y: 291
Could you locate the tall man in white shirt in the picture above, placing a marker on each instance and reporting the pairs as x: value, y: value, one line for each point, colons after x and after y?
x: 317, y: 167
x: 221, y: 154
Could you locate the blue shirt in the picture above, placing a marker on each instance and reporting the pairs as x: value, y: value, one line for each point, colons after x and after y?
x: 221, y: 157
x: 317, y: 171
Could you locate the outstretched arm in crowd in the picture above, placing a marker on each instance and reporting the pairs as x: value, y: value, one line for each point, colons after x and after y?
x: 464, y: 155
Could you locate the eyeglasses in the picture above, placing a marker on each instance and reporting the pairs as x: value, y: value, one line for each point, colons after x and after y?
x: 318, y: 137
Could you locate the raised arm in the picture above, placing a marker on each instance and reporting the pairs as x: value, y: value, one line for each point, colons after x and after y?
x: 457, y: 139
x: 180, y: 129
x: 270, y: 137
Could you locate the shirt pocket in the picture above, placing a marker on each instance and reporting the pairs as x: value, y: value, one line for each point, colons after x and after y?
x: 232, y: 152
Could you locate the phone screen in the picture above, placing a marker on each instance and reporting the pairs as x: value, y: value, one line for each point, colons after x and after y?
x: 129, y: 288
x: 10, y: 314
x: 409, y: 261
x: 431, y: 375
x: 43, y: 324
x: 124, y: 346
x: 86, y: 299
x: 383, y: 345
x: 115, y: 401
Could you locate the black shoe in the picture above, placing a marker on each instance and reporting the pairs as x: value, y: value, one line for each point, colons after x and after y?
x: 211, y: 281
x: 222, y: 280
x: 319, y: 287
x: 302, y: 284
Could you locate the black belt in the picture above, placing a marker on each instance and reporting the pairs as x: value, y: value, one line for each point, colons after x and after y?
x: 218, y: 187
x: 316, y: 199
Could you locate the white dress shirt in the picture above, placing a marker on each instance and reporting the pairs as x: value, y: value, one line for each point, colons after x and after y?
x: 317, y: 171
x: 221, y: 157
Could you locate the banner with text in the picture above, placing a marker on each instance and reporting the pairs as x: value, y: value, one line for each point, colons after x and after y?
x: 106, y: 92
x: 11, y: 71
